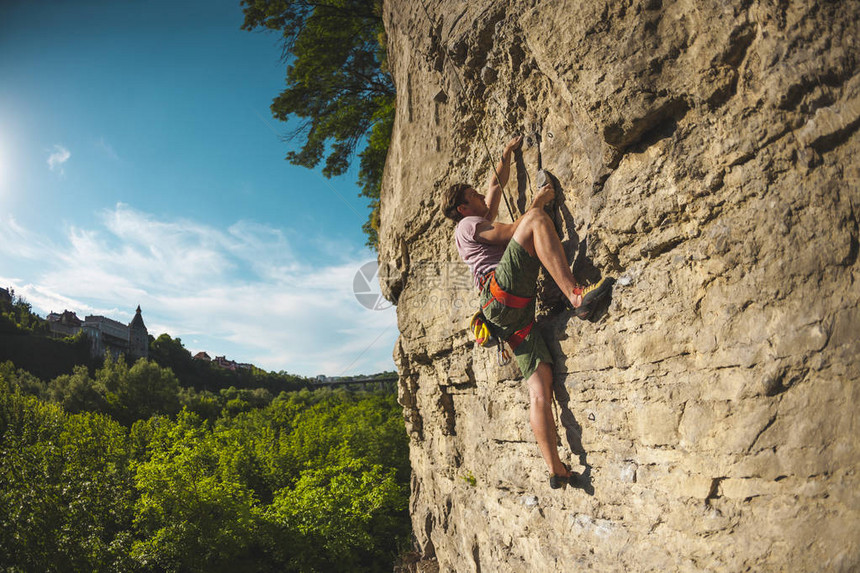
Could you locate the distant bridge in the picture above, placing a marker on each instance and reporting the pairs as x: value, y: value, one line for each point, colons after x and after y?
x: 387, y: 383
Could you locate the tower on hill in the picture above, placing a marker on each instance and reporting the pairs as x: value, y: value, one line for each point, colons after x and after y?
x: 138, y: 337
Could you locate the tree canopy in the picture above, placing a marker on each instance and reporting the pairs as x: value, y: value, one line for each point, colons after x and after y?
x: 307, y: 481
x: 337, y: 85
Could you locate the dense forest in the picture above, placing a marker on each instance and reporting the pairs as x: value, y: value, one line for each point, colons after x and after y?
x: 129, y: 467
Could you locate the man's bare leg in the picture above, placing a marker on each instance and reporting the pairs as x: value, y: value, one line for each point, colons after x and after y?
x: 540, y: 417
x: 537, y: 235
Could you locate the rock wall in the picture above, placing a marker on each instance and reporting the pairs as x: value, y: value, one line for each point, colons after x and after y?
x: 706, y: 154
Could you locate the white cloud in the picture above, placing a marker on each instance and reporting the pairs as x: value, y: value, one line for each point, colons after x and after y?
x: 58, y: 158
x: 241, y: 291
x: 16, y: 240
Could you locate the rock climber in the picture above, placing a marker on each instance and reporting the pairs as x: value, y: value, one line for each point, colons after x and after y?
x: 505, y: 259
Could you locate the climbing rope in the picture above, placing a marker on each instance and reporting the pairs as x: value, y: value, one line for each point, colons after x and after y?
x: 471, y: 109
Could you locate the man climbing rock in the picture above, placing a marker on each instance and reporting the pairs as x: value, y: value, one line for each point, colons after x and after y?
x: 505, y: 259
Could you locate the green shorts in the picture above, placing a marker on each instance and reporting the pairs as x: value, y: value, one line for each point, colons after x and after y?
x: 517, y: 274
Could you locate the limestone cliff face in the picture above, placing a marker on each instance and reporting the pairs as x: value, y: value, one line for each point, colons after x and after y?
x: 706, y: 154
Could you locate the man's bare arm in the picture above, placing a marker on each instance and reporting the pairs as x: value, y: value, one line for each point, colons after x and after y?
x: 497, y: 184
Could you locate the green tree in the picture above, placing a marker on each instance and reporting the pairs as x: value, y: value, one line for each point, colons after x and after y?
x: 18, y: 316
x: 203, y: 403
x: 345, y: 426
x: 337, y: 83
x: 66, y: 495
x: 345, y: 517
x: 150, y: 390
x: 336, y: 464
x: 77, y: 392
x: 136, y: 393
x: 23, y: 380
x: 170, y: 353
x: 191, y: 515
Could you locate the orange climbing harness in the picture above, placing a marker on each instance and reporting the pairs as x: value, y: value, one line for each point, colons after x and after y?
x: 481, y: 327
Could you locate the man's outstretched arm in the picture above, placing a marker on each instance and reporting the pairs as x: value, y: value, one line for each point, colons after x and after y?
x: 497, y: 184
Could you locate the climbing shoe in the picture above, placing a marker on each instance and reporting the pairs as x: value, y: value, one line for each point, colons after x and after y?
x: 557, y: 481
x: 591, y: 295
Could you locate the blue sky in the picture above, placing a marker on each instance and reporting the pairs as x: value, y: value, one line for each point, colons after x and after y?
x: 139, y: 164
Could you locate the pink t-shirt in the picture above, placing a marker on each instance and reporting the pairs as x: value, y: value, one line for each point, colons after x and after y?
x: 481, y: 257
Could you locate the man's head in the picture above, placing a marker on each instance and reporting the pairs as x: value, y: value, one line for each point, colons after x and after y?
x: 454, y: 197
x: 461, y: 200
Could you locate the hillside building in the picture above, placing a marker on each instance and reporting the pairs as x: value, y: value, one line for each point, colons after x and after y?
x: 225, y: 363
x: 105, y: 334
x: 65, y: 324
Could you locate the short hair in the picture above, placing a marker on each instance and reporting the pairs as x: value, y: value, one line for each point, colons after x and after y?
x: 454, y: 197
